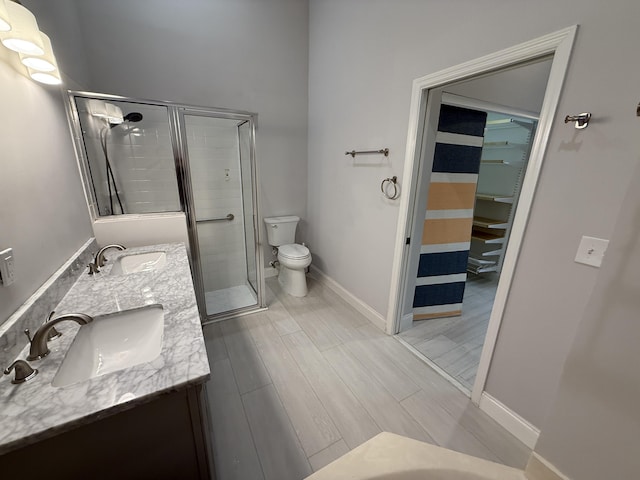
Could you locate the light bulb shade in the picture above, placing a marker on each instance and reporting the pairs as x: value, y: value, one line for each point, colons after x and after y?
x: 5, y: 23
x: 97, y: 108
x: 114, y: 114
x: 24, y: 36
x: 48, y: 78
x: 44, y: 63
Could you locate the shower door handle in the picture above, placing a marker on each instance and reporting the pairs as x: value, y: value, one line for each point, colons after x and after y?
x: 228, y: 218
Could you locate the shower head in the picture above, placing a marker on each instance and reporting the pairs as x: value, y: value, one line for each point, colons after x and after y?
x: 129, y: 117
x: 133, y: 117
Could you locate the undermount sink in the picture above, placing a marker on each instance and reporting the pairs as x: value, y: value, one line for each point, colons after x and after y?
x: 111, y: 343
x: 140, y: 262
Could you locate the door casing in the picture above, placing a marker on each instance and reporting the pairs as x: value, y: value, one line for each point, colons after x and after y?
x: 559, y: 44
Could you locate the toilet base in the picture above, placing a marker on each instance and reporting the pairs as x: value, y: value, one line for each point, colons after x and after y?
x: 293, y: 282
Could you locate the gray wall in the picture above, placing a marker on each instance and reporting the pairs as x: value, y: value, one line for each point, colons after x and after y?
x: 592, y: 430
x: 59, y: 20
x: 364, y: 54
x: 522, y: 88
x: 43, y: 215
x: 238, y: 54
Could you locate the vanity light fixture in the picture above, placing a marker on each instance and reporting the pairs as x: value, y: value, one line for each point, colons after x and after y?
x: 5, y: 23
x: 50, y: 78
x: 42, y: 63
x: 24, y: 36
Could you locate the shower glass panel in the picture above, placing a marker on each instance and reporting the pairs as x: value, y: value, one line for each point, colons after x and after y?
x: 218, y: 152
x: 129, y: 154
x: 244, y: 139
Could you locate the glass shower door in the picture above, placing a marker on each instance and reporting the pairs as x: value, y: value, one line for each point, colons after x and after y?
x: 219, y: 168
x: 244, y: 141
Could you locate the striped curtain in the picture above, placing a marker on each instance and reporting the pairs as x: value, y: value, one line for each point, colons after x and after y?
x: 446, y: 236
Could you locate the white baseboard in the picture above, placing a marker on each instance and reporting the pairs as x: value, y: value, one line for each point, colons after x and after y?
x: 511, y: 421
x: 373, y: 316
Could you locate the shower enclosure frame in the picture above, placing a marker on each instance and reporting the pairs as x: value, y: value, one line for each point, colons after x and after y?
x: 175, y: 113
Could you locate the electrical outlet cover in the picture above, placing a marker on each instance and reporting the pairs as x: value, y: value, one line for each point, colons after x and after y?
x: 6, y: 267
x: 591, y: 251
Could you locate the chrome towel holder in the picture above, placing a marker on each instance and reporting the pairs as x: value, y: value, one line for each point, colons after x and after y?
x: 353, y: 153
x: 386, y: 184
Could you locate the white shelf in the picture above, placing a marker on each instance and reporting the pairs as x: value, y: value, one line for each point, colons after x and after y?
x: 486, y: 238
x: 478, y: 269
x: 504, y: 144
x: 494, y: 198
x: 480, y: 261
x: 477, y: 265
x: 503, y: 163
x: 489, y: 223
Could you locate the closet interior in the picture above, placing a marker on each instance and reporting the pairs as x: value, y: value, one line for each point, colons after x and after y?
x: 506, y: 148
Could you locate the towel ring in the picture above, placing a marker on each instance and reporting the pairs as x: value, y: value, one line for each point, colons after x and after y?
x: 384, y: 188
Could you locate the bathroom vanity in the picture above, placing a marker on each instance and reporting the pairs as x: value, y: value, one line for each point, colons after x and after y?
x: 148, y: 420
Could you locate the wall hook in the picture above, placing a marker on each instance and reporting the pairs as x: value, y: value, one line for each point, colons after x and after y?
x: 581, y: 121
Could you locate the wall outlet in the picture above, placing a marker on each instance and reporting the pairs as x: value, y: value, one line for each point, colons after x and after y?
x: 591, y: 251
x: 7, y: 276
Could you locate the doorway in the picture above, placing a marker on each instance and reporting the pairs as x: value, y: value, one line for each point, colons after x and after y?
x: 418, y: 176
x: 456, y: 278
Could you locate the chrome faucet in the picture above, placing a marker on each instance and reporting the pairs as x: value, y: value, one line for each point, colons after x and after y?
x: 98, y: 261
x: 23, y: 370
x: 39, y: 348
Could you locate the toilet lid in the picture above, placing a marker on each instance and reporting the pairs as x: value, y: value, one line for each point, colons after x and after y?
x: 293, y: 250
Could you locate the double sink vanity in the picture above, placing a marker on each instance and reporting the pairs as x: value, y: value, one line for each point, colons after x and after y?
x: 121, y: 396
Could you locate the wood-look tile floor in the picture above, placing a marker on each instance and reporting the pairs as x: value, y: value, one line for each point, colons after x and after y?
x: 455, y: 343
x: 299, y: 385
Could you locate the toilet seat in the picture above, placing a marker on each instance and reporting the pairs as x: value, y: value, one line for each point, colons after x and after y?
x: 293, y: 251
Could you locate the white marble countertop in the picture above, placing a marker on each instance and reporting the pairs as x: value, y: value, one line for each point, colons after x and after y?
x: 35, y: 410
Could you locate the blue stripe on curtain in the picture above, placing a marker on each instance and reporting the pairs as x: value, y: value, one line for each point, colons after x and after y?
x: 462, y: 121
x: 451, y: 158
x: 439, y: 294
x: 442, y: 263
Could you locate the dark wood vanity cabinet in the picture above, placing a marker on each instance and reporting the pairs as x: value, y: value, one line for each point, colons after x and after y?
x: 165, y: 438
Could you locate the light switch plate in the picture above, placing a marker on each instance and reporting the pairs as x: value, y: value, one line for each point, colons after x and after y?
x: 7, y: 276
x: 591, y: 251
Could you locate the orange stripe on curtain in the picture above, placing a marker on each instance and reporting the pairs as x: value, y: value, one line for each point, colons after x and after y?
x: 451, y: 196
x: 447, y: 230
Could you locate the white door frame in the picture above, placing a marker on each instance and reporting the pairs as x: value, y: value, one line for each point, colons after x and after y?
x: 558, y: 44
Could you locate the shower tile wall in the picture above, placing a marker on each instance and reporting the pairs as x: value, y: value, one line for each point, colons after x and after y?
x: 141, y: 157
x: 217, y: 191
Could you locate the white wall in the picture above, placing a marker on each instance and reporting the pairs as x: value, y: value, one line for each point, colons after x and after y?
x: 592, y: 430
x: 521, y: 87
x: 140, y: 230
x: 363, y: 57
x: 239, y: 54
x: 43, y: 215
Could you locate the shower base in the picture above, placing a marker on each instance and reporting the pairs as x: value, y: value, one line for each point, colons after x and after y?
x: 232, y: 298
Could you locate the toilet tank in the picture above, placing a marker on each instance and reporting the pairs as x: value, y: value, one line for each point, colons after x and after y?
x: 281, y: 230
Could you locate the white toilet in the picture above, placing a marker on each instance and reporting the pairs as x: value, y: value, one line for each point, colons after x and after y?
x: 293, y: 258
